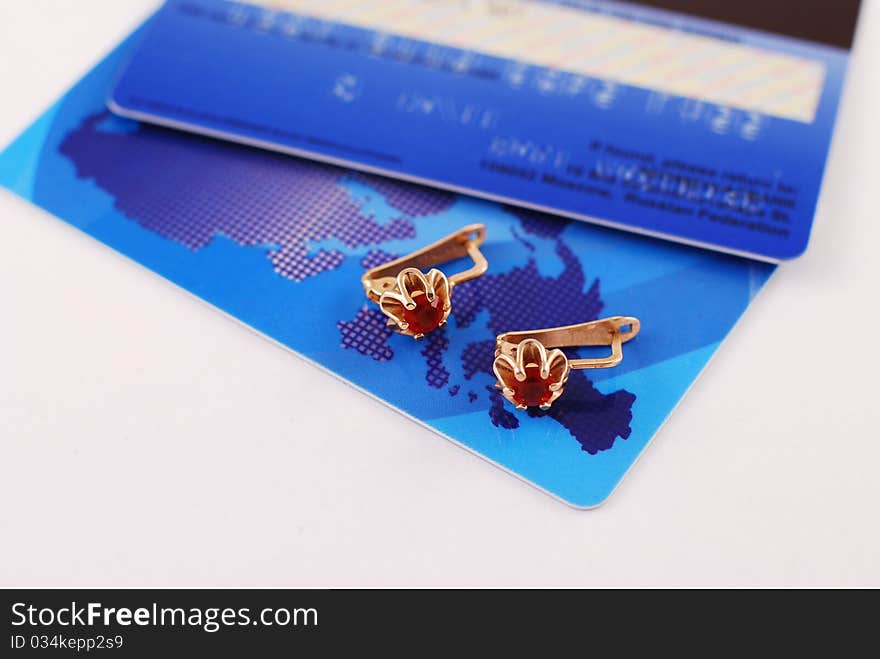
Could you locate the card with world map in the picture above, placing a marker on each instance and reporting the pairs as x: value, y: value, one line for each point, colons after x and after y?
x: 281, y: 243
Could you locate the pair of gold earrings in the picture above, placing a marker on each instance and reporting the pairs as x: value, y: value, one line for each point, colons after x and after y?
x: 530, y: 367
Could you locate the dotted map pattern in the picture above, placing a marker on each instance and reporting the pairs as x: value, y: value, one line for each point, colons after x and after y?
x: 190, y: 189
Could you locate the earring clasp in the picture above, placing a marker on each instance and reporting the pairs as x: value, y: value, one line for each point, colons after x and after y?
x: 464, y: 242
x: 604, y: 332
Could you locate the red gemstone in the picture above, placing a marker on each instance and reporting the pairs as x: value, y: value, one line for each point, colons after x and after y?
x: 534, y: 390
x: 426, y: 316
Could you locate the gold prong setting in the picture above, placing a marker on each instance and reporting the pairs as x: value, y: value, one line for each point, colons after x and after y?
x: 533, y: 376
x: 419, y: 303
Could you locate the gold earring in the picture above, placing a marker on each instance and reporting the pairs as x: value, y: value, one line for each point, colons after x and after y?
x: 418, y: 302
x: 532, y: 370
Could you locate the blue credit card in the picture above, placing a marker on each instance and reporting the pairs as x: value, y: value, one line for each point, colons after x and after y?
x: 281, y: 243
x: 640, y: 118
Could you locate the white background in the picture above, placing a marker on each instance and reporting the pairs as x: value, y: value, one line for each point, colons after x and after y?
x: 145, y: 439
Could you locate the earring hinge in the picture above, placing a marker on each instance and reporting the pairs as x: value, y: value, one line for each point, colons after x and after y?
x: 604, y: 332
x: 465, y: 242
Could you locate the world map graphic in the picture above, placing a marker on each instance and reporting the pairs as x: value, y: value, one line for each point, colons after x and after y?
x: 190, y: 189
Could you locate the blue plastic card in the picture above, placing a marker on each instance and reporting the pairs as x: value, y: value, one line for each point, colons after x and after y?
x: 281, y: 243
x: 656, y: 122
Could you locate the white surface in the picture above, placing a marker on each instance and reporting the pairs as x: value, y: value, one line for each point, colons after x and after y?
x: 147, y: 440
